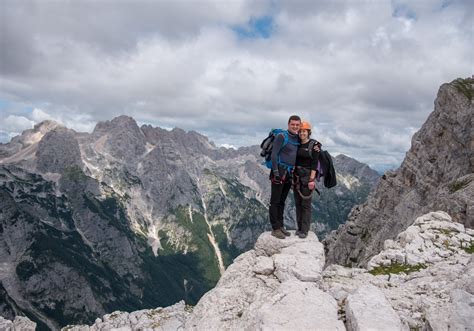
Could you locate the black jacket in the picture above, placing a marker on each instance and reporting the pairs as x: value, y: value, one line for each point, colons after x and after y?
x: 328, y: 169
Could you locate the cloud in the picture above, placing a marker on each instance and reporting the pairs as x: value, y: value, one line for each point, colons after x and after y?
x: 39, y: 115
x: 365, y: 74
x: 12, y: 125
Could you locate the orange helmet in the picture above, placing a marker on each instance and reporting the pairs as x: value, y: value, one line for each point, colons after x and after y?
x: 305, y: 126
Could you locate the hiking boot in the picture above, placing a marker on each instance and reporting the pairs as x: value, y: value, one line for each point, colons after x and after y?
x: 297, y: 232
x: 302, y: 234
x: 278, y: 234
x: 285, y: 232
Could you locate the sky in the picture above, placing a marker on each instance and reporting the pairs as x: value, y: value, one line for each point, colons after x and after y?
x: 364, y: 73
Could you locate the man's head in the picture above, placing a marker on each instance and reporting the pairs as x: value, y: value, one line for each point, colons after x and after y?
x: 294, y: 123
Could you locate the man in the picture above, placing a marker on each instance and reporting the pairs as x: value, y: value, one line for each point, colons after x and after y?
x: 283, y: 162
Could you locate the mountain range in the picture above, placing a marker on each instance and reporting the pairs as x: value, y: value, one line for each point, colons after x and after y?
x: 130, y: 217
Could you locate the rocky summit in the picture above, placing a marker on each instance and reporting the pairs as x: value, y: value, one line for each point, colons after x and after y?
x: 436, y: 174
x: 422, y: 280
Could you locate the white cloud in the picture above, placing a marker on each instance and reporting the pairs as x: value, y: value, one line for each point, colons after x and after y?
x: 38, y: 115
x: 15, y: 124
x: 76, y: 121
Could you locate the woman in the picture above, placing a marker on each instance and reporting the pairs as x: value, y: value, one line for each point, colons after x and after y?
x: 304, y: 178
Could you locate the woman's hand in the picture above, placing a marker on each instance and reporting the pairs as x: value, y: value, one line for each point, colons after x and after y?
x: 311, y: 185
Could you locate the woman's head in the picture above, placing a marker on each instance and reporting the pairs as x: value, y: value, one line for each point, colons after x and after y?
x: 305, y: 130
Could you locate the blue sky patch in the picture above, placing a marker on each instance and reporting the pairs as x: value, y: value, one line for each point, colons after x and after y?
x: 260, y: 27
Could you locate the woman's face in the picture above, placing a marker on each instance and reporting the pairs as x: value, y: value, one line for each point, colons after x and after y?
x: 303, y: 134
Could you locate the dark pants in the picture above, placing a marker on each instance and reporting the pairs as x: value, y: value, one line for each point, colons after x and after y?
x: 303, y: 197
x: 277, y: 203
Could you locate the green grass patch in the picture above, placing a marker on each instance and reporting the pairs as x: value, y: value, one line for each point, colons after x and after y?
x: 397, y: 268
x: 465, y: 86
x: 74, y: 174
x: 446, y: 232
x: 469, y: 249
x: 459, y: 185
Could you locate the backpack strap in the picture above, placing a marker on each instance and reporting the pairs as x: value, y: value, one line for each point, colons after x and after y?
x: 311, y: 144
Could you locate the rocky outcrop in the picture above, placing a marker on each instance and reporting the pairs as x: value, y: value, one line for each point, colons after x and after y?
x: 270, y: 287
x: 281, y: 285
x: 20, y: 323
x: 437, y: 173
x: 432, y: 238
x: 169, y: 318
x: 424, y: 295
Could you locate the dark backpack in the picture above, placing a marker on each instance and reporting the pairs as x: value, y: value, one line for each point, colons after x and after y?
x: 267, y: 145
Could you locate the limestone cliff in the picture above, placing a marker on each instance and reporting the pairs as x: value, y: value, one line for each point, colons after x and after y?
x: 437, y: 174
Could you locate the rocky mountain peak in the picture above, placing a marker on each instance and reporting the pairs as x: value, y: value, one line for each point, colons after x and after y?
x: 347, y: 165
x: 437, y: 173
x: 120, y: 138
x: 120, y: 123
x: 46, y: 126
x: 23, y: 147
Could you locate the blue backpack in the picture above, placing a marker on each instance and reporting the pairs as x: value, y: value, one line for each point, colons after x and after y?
x: 267, y: 146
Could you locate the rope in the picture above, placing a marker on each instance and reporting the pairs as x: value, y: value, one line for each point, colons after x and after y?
x: 297, y: 184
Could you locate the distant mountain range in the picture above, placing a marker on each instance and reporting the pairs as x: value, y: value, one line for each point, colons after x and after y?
x: 131, y: 217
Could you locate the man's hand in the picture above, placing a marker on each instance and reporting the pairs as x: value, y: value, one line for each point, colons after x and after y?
x: 312, y: 185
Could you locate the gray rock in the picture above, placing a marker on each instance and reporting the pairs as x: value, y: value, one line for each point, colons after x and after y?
x: 368, y: 309
x: 457, y: 314
x: 160, y: 319
x: 297, y: 306
x: 287, y: 298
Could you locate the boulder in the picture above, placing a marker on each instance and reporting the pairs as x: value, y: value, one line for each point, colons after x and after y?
x: 369, y: 309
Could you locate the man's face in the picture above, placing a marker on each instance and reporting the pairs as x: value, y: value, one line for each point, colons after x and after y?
x: 294, y: 126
